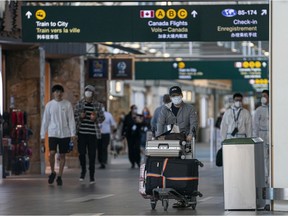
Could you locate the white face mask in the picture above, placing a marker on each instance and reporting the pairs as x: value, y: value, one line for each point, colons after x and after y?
x: 135, y: 111
x: 263, y: 101
x: 88, y: 94
x: 176, y: 100
x: 237, y: 104
x: 103, y: 109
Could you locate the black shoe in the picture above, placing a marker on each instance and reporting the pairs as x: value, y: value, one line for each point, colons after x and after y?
x: 102, y: 166
x: 51, y: 177
x: 132, y: 166
x: 59, y: 181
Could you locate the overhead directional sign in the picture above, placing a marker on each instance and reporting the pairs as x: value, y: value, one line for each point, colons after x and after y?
x: 145, y: 23
x: 190, y: 70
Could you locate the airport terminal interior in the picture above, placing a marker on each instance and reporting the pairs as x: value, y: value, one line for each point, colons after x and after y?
x: 132, y: 52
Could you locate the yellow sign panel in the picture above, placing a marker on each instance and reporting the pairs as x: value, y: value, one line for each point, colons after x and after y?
x: 171, y: 14
x: 182, y: 13
x: 160, y: 14
x: 40, y: 14
x: 251, y: 64
x: 181, y: 65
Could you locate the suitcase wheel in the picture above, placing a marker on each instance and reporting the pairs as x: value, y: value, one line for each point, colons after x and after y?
x: 193, y: 206
x: 165, y: 204
x: 153, y: 204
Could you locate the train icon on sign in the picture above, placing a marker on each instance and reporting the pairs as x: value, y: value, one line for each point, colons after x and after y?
x: 40, y: 14
x: 229, y: 12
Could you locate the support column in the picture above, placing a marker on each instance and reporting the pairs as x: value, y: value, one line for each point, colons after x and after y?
x: 278, y: 98
x: 42, y: 63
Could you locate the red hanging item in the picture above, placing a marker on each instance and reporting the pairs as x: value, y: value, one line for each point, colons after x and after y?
x: 14, y: 119
x: 20, y: 118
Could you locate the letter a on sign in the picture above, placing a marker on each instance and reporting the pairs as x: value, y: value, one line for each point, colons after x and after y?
x: 146, y: 13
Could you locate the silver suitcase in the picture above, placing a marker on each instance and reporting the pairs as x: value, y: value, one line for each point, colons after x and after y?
x: 163, y: 148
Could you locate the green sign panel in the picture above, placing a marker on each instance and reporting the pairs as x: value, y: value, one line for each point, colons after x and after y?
x: 145, y: 23
x: 201, y: 70
x: 253, y: 85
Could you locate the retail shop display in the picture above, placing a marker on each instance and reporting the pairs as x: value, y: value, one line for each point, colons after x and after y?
x: 17, y: 153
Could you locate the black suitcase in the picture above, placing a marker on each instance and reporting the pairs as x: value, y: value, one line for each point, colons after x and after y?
x: 180, y: 175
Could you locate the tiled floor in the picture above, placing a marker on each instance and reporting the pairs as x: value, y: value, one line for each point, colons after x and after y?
x: 114, y: 193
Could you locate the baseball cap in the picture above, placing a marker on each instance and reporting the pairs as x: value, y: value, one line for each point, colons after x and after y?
x: 175, y: 90
x: 90, y: 87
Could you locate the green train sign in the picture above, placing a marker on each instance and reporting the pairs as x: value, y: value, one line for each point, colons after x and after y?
x: 145, y: 23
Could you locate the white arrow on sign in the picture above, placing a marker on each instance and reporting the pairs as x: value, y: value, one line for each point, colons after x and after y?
x: 194, y: 13
x: 28, y: 14
x: 264, y: 12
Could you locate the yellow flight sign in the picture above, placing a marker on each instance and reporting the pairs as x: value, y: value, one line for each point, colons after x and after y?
x: 182, y: 13
x: 171, y: 14
x: 251, y: 64
x: 160, y: 14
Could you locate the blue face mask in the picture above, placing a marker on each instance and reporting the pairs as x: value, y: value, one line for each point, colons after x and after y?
x: 145, y: 113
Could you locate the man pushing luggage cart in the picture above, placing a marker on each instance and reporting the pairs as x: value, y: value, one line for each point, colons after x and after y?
x: 163, y: 175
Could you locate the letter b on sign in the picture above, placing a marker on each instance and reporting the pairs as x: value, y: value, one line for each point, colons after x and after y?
x: 171, y: 14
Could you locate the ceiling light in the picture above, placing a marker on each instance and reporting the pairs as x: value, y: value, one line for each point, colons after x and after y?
x: 135, y: 45
x: 178, y: 59
x: 152, y: 50
x: 166, y: 55
x: 244, y: 43
x: 167, y: 3
x: 116, y: 51
x: 158, y: 54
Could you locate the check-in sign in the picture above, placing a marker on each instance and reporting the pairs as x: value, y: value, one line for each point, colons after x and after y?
x: 145, y: 23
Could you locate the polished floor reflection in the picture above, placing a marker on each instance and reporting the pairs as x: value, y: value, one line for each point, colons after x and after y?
x: 114, y: 193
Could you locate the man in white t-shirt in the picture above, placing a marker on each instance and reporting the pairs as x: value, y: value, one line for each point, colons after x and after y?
x: 58, y: 121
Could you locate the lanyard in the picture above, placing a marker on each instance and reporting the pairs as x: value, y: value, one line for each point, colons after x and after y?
x: 236, y: 119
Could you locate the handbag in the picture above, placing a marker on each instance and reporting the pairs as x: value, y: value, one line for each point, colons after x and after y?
x: 219, y: 158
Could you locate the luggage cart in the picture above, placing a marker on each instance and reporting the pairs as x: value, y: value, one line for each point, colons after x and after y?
x: 164, y: 194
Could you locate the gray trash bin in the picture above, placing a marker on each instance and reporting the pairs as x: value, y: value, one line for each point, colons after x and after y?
x: 243, y: 172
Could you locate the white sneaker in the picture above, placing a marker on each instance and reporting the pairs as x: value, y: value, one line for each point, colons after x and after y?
x: 92, y: 181
x: 81, y: 179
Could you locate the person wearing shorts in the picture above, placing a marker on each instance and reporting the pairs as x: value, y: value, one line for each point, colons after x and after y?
x: 58, y: 121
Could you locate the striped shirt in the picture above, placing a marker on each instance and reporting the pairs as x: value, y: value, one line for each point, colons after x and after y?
x: 87, y: 126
